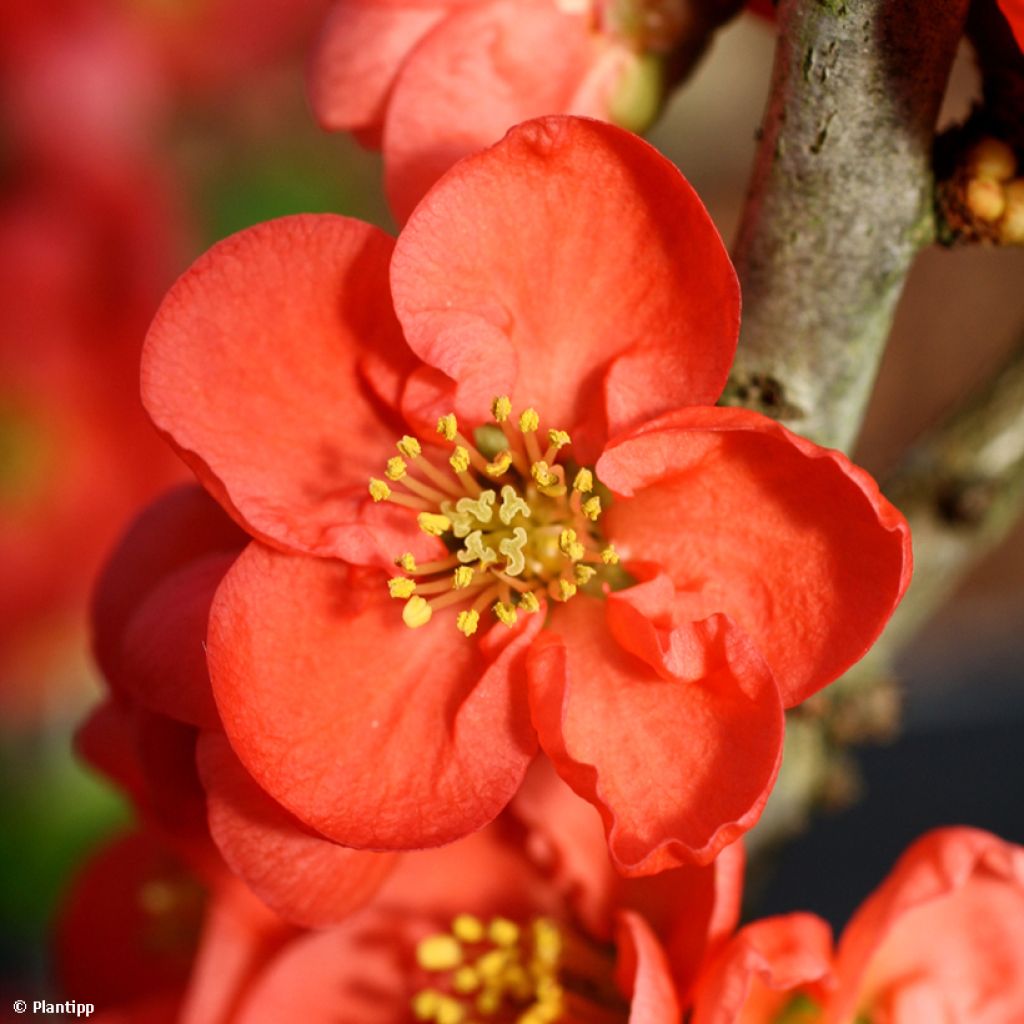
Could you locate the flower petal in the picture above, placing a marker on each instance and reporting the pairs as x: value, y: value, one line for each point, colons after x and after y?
x: 251, y: 369
x: 678, y: 766
x: 531, y: 267
x: 182, y: 525
x: 304, y: 877
x: 163, y: 655
x: 643, y: 973
x: 762, y: 968
x: 479, y: 72
x: 361, y: 48
x: 375, y: 735
x: 792, y: 541
x: 946, y: 928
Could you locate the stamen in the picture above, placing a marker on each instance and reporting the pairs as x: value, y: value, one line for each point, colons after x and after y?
x: 529, y: 421
x: 584, y: 482
x: 448, y: 426
x: 506, y: 613
x: 459, y: 459
x: 401, y: 586
x: 434, y: 524
x: 570, y: 546
x: 566, y: 590
x: 379, y: 490
x: 396, y: 468
x: 439, y: 953
x: 463, y: 577
x: 529, y: 603
x: 501, y: 408
x: 584, y: 574
x: 610, y: 556
x: 406, y: 562
x: 592, y: 508
x: 500, y: 465
x: 417, y: 612
x: 467, y: 621
x: 468, y: 927
x: 409, y: 447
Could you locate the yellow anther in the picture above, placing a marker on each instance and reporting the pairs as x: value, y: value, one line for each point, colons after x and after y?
x: 547, y: 940
x: 529, y: 603
x: 459, y: 459
x: 503, y: 932
x: 448, y: 426
x: 584, y: 573
x: 409, y: 447
x: 492, y: 965
x: 500, y: 464
x: 610, y: 556
x: 468, y: 928
x: 450, y: 1011
x: 570, y: 546
x: 395, y: 468
x: 566, y: 589
x: 416, y: 612
x: 467, y: 621
x: 434, y: 524
x: 400, y: 586
x: 501, y: 408
x: 506, y: 613
x: 462, y: 577
x: 512, y: 549
x: 512, y: 505
x: 489, y: 1002
x: 379, y: 490
x: 406, y: 562
x: 425, y: 1003
x: 559, y: 438
x: 475, y: 550
x: 592, y: 508
x: 541, y: 472
x: 529, y: 421
x: 465, y: 980
x: 584, y: 482
x: 439, y: 953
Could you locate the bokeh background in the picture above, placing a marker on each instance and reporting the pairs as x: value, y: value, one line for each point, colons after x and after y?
x: 137, y: 132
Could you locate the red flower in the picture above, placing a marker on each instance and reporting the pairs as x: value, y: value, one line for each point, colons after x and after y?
x: 939, y: 940
x: 435, y: 80
x: 142, y: 935
x: 571, y: 268
x: 476, y: 930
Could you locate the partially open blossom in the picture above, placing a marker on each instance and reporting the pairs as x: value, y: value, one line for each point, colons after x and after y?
x: 493, y: 505
x: 434, y: 80
x: 480, y: 931
x: 939, y: 941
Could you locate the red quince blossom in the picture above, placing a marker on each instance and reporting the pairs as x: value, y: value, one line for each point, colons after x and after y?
x: 939, y: 941
x: 431, y: 81
x: 478, y: 930
x: 158, y: 734
x: 572, y: 272
x: 143, y: 937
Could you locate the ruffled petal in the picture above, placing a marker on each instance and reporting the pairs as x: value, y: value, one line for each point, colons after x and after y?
x: 373, y: 734
x: 679, y: 763
x: 180, y: 526
x: 251, y: 370
x: 643, y: 973
x: 304, y: 877
x: 763, y: 968
x: 945, y: 929
x: 533, y: 267
x: 481, y: 71
x: 792, y: 541
x: 361, y: 47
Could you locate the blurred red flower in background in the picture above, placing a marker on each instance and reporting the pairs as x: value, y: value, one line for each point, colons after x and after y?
x: 939, y: 940
x: 279, y: 372
x: 431, y: 81
x: 1013, y: 10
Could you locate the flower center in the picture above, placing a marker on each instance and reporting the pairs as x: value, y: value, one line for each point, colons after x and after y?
x: 500, y: 972
x: 516, y: 529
